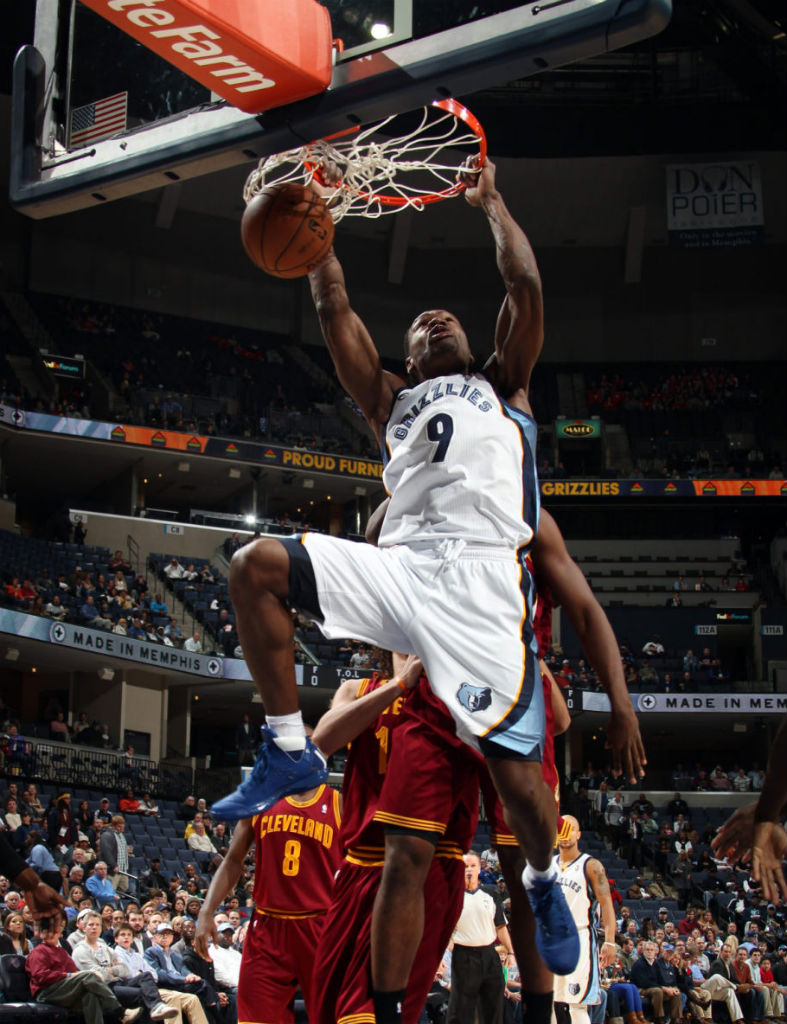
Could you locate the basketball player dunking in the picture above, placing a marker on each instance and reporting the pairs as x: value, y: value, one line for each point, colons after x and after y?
x: 585, y: 884
x: 297, y: 856
x: 448, y: 581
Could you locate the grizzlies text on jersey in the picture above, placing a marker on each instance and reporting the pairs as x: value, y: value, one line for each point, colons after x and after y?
x: 459, y: 464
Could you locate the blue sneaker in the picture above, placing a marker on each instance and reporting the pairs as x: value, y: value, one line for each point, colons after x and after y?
x: 276, y: 773
x: 557, y: 939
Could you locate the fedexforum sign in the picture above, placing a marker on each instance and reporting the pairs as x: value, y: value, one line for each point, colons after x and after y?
x: 219, y: 43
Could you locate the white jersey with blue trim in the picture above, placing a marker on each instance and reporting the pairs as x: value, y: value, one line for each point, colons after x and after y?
x: 582, y: 985
x: 460, y: 463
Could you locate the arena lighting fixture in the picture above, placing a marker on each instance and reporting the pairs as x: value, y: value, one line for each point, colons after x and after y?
x: 380, y: 30
x: 308, y: 483
x: 234, y: 474
x: 250, y: 520
x: 12, y: 654
x: 106, y: 673
x: 184, y: 467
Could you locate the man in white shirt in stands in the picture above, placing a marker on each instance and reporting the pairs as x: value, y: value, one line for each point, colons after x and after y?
x: 226, y: 960
x: 477, y: 980
x: 193, y: 645
x: 200, y: 840
x: 173, y: 570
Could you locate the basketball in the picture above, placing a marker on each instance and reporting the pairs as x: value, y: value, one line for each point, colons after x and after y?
x: 287, y: 229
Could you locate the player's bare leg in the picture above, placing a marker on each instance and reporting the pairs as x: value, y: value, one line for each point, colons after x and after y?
x: 537, y: 980
x: 532, y: 817
x: 529, y: 807
x: 286, y: 762
x: 398, y: 917
x: 259, y: 586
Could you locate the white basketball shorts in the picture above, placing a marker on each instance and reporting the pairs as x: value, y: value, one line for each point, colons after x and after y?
x: 466, y: 612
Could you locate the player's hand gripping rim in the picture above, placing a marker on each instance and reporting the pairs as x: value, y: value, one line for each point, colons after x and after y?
x: 479, y: 181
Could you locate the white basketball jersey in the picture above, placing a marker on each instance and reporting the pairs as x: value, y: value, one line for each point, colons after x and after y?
x: 577, y: 890
x: 459, y: 464
x: 582, y: 985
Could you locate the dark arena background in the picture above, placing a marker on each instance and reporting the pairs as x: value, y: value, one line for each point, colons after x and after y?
x: 161, y: 398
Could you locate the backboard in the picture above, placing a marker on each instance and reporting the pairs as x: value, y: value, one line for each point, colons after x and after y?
x: 159, y: 126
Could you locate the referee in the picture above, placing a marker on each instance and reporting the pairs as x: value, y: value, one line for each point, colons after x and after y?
x: 477, y: 981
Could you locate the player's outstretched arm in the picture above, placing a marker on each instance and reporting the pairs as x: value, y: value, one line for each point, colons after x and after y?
x: 519, y: 335
x: 222, y: 884
x: 350, y: 714
x: 353, y: 352
x: 601, y: 890
x: 571, y: 590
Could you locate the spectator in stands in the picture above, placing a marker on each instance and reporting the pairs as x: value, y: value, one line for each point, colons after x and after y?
x: 674, y: 601
x: 246, y: 739
x: 194, y: 644
x: 17, y: 751
x: 129, y: 804
x: 114, y: 851
x: 741, y: 782
x: 89, y: 615
x: 62, y: 830
x: 172, y: 630
x: 55, y: 609
x: 653, y: 647
x: 647, y: 975
x: 58, y: 728
x: 136, y: 630
x: 152, y: 879
x: 161, y: 1003
x: 157, y: 606
x: 170, y: 969
x: 118, y: 563
x: 648, y: 676
x: 31, y: 799
x: 173, y: 570
x: 121, y: 626
x: 199, y: 840
x: 614, y: 818
x: 14, y: 938
x: 100, y: 887
x: 741, y: 585
x: 54, y: 978
x: 148, y: 805
x: 188, y: 809
x: 751, y: 999
x: 226, y: 960
x: 103, y: 813
x: 39, y: 858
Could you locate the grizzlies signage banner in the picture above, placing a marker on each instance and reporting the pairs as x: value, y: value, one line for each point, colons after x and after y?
x: 717, y: 205
x: 347, y: 466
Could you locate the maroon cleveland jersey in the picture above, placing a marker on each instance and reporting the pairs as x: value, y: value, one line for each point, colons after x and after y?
x: 362, y: 838
x: 298, y: 854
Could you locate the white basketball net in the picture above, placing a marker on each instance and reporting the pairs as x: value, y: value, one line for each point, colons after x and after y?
x: 378, y: 175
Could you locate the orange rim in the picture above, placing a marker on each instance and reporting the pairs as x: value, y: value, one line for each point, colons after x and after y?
x: 450, y: 106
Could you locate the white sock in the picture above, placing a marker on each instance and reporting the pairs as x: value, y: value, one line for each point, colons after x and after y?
x: 531, y: 875
x: 289, y: 730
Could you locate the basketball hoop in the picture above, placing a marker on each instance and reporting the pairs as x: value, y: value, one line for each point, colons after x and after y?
x: 381, y: 173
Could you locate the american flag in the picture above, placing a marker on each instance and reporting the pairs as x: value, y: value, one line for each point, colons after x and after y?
x: 99, y: 119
